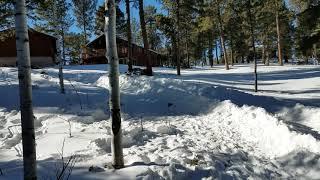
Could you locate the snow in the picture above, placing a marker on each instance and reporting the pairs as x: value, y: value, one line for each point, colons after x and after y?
x: 206, y: 124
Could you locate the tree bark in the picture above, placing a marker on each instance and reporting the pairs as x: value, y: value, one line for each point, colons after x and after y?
x: 112, y: 55
x: 231, y: 48
x: 267, y: 58
x: 130, y: 69
x: 224, y: 51
x: 25, y: 89
x: 217, y: 56
x: 315, y: 53
x: 145, y: 38
x: 187, y: 49
x: 222, y: 38
x: 254, y: 48
x: 263, y: 53
x: 61, y: 62
x: 279, y: 40
x: 211, y: 50
x: 84, y: 24
x: 175, y: 50
x: 178, y: 38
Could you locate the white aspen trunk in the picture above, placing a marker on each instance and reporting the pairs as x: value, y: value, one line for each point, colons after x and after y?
x: 60, y: 61
x: 112, y: 55
x: 59, y: 58
x: 25, y: 89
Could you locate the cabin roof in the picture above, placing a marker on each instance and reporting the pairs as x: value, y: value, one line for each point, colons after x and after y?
x: 11, y: 32
x: 101, y: 39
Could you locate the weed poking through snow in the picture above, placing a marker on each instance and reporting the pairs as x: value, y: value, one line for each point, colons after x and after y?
x: 66, y: 166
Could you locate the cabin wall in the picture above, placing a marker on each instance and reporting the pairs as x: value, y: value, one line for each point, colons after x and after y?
x: 42, y: 50
x: 95, y: 53
x: 35, y: 61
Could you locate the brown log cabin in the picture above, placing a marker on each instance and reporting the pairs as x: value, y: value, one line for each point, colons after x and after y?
x: 42, y: 48
x: 95, y: 53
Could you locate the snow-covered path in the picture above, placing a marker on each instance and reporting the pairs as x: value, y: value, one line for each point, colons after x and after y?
x: 208, y: 123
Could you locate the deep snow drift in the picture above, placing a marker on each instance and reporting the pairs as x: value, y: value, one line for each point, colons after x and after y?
x: 208, y: 123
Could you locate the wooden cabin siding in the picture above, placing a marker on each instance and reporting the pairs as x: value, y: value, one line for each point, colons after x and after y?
x: 42, y: 50
x: 35, y: 61
x: 95, y: 51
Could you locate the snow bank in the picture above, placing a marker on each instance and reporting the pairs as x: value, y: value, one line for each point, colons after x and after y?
x: 158, y: 96
x: 254, y: 127
x: 309, y: 116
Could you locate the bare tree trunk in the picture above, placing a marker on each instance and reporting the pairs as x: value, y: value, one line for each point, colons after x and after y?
x: 224, y: 51
x: 59, y: 61
x: 217, y: 56
x: 267, y: 57
x: 254, y: 49
x: 112, y: 55
x: 263, y: 53
x: 25, y: 89
x: 315, y: 53
x: 175, y: 50
x: 222, y: 39
x: 84, y: 24
x: 178, y: 38
x: 63, y: 49
x: 279, y: 40
x: 145, y: 38
x: 187, y: 49
x: 231, y: 48
x: 210, y: 49
x: 130, y: 69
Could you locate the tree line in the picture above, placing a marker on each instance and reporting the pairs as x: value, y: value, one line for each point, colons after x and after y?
x: 187, y: 31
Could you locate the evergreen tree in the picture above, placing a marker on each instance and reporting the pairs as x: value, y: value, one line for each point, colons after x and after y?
x: 100, y: 21
x: 84, y: 13
x: 56, y: 20
x: 153, y: 35
x: 6, y: 14
x: 148, y: 70
x: 129, y: 35
x: 73, y: 46
x: 308, y: 27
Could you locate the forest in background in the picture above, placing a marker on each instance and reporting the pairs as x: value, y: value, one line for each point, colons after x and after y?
x: 204, y: 31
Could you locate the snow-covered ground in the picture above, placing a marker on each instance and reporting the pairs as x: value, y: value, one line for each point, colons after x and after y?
x: 208, y: 123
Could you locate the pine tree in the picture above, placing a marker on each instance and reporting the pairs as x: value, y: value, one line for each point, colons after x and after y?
x: 100, y: 21
x: 6, y: 14
x: 129, y: 35
x: 308, y: 27
x: 153, y: 36
x: 56, y: 21
x: 73, y: 46
x: 148, y: 70
x: 84, y: 13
